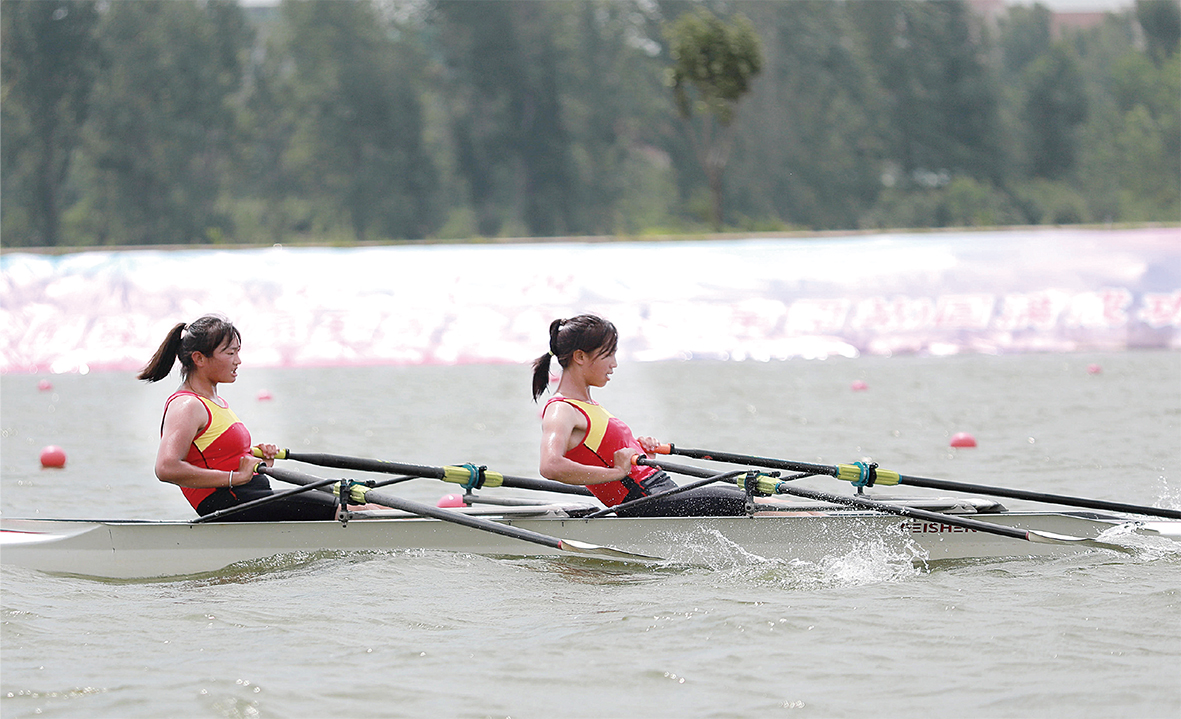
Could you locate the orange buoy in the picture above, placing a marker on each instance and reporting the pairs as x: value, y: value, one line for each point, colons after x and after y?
x: 963, y: 439
x: 858, y: 386
x: 44, y: 385
x: 53, y: 457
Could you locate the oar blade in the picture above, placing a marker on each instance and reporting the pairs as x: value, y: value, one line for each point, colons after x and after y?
x: 594, y: 550
x: 1042, y: 537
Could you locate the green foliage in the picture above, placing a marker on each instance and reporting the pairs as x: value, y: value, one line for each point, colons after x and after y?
x: 162, y: 130
x: 714, y: 62
x: 1161, y: 21
x: 1055, y: 106
x: 50, y: 59
x: 716, y: 59
x: 194, y: 121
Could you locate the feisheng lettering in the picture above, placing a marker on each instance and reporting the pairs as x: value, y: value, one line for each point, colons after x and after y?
x: 917, y: 527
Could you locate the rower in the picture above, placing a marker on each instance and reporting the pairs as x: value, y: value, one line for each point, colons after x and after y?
x: 582, y: 443
x: 204, y: 448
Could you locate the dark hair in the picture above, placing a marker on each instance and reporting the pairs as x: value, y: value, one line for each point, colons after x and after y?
x: 588, y: 333
x: 204, y: 335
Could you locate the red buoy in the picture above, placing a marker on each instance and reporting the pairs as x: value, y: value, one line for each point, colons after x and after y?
x: 53, y: 457
x: 44, y: 385
x: 450, y: 501
x: 1094, y: 369
x: 263, y: 395
x: 963, y: 439
x: 858, y: 386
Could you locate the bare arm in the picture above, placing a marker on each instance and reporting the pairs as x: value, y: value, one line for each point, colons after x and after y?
x: 184, y: 419
x: 562, y: 427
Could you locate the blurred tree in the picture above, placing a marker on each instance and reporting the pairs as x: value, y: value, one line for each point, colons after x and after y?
x: 809, y: 147
x: 507, y: 117
x: 50, y: 59
x: 714, y: 63
x: 356, y: 133
x: 162, y: 131
x: 1055, y: 106
x: 1161, y: 21
x: 941, y: 102
x: 1024, y: 35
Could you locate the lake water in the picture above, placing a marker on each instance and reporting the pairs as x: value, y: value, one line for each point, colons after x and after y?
x: 413, y: 633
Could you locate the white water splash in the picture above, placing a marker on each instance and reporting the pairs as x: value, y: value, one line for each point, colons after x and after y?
x: 871, y: 561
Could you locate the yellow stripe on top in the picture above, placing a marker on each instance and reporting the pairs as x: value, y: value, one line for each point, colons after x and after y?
x: 598, y: 422
x: 220, y: 419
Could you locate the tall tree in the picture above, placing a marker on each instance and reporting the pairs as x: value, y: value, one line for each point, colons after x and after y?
x: 1161, y: 21
x: 714, y: 63
x: 358, y: 135
x: 163, y: 126
x: 506, y: 114
x: 940, y: 99
x: 809, y: 141
x: 1055, y: 106
x: 50, y: 60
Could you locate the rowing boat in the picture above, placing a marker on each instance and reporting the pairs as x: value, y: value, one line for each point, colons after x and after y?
x: 779, y: 530
x: 805, y: 525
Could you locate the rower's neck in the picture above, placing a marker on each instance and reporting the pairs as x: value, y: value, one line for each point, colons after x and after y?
x: 201, y: 387
x: 572, y: 389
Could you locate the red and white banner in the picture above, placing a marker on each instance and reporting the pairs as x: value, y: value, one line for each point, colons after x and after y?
x: 759, y: 298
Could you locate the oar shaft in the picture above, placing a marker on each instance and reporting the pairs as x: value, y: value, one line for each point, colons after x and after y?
x: 904, y: 511
x: 1038, y: 496
x: 425, y: 510
x: 362, y: 464
x: 835, y: 471
x: 769, y: 462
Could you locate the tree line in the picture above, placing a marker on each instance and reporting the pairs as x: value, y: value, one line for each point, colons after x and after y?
x: 186, y: 121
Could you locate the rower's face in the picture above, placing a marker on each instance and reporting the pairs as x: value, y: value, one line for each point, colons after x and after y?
x: 599, y: 369
x: 222, y: 365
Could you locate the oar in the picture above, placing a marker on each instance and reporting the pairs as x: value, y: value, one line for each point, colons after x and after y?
x: 769, y: 485
x: 274, y: 497
x: 885, y: 477
x: 666, y: 493
x: 458, y: 475
x: 361, y: 495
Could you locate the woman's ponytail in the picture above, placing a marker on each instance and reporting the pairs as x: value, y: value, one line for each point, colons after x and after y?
x: 160, y: 366
x: 541, y: 364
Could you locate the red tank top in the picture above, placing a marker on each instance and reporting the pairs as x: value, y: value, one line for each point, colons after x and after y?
x: 221, y: 445
x: 605, y: 434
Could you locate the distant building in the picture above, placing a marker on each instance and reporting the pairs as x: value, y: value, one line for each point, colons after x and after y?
x: 1066, y: 16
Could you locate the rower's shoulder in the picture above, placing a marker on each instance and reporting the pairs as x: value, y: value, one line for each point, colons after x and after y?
x: 563, y: 410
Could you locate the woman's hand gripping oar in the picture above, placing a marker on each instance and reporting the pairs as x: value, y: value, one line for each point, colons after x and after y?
x: 359, y: 494
x: 858, y: 473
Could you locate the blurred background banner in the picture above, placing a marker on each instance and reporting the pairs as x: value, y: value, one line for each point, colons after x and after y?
x: 762, y: 298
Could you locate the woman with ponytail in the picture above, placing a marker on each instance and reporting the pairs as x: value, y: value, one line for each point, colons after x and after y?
x: 583, y: 443
x: 204, y: 448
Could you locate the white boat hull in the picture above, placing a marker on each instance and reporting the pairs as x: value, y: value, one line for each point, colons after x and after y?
x: 149, y: 549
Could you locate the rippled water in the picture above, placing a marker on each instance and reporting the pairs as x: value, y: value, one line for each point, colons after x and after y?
x: 388, y: 634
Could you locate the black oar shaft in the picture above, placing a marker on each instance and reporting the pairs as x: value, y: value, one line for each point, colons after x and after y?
x: 362, y: 464
x: 769, y: 462
x: 485, y: 525
x: 904, y: 511
x: 425, y: 510
x: 832, y: 471
x: 1037, y: 496
x: 274, y: 497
